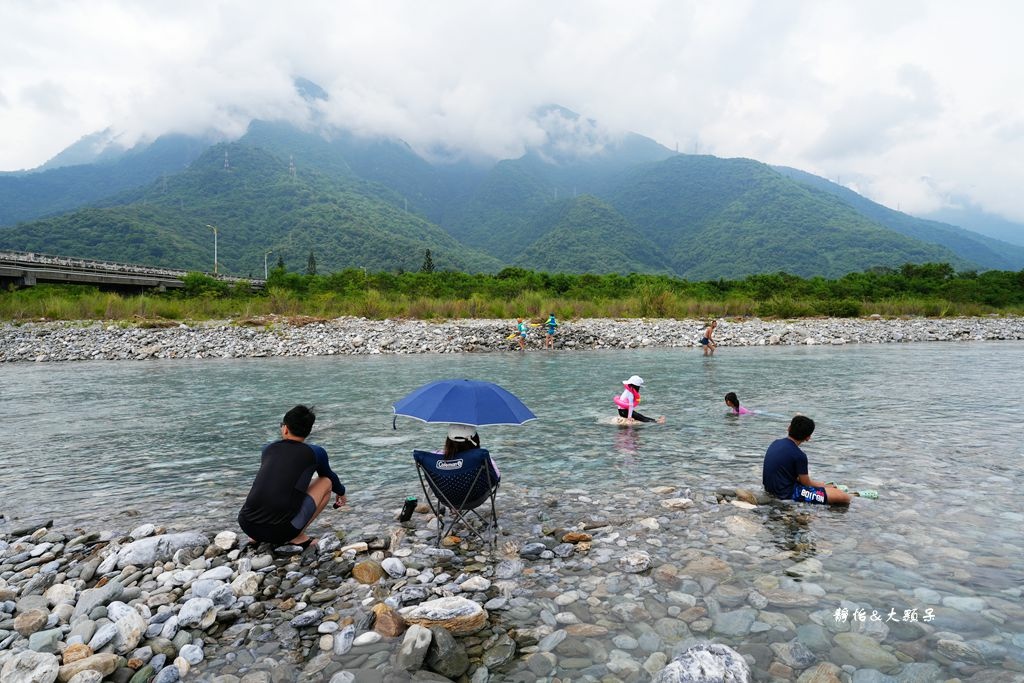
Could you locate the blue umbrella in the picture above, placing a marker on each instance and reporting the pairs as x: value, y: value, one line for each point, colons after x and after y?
x: 464, y: 401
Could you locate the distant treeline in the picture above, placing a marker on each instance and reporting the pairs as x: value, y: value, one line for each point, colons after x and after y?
x: 931, y: 289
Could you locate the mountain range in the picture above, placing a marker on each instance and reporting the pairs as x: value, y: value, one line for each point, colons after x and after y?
x: 584, y: 200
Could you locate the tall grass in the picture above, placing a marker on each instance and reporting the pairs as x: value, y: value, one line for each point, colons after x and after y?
x: 83, y: 303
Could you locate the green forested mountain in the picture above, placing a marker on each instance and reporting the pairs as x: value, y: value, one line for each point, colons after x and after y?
x: 729, y: 217
x: 985, y: 251
x: 24, y: 196
x: 257, y: 205
x: 580, y: 201
x: 585, y: 230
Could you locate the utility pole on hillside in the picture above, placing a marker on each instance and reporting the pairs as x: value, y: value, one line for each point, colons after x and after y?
x: 214, y: 246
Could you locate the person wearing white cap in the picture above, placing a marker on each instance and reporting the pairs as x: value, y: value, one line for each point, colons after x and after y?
x: 463, y: 438
x: 628, y: 400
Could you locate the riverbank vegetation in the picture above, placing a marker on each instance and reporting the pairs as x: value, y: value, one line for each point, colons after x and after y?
x: 933, y: 290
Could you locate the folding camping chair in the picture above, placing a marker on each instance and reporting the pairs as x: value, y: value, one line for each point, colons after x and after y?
x: 460, y: 485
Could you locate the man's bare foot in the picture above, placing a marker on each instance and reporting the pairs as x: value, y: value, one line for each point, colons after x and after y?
x: 661, y: 420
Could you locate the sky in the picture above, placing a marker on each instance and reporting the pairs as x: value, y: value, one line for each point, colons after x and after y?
x: 917, y: 104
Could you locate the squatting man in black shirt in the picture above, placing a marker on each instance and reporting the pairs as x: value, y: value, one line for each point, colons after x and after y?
x: 282, y: 502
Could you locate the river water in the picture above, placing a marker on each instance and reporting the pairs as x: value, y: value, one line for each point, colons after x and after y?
x: 935, y: 428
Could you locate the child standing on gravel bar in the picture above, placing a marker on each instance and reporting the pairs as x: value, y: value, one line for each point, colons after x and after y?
x: 551, y: 324
x: 521, y: 333
x: 707, y: 341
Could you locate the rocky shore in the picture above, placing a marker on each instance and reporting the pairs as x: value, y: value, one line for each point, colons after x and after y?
x: 255, y: 338
x: 654, y: 584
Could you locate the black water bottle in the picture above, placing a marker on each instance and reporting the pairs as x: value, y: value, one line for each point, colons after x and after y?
x: 407, y: 509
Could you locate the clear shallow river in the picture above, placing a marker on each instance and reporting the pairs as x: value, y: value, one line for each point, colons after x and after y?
x: 935, y: 428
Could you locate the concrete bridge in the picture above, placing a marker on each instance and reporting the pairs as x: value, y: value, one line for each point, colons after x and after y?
x: 25, y: 269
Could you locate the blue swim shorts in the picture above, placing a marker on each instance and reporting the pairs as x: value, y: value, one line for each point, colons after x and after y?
x: 810, y: 494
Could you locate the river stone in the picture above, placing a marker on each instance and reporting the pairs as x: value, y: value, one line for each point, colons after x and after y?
x: 105, y: 663
x: 676, y: 503
x: 221, y: 573
x: 225, y: 540
x: 736, y: 622
x: 475, y: 584
x: 708, y: 566
x: 508, y: 569
x: 31, y: 621
x: 825, y: 672
x: 500, y: 653
x: 866, y: 651
x: 142, y: 531
x: 394, y: 567
x: 246, y: 583
x: 742, y: 527
x: 367, y: 572
x: 959, y: 651
x: 455, y: 614
x: 388, y: 622
x: 130, y: 629
x: 925, y: 672
x: 635, y: 562
x: 60, y: 593
x: 94, y: 597
x: 158, y: 548
x: 72, y: 653
x: 543, y: 663
x: 793, y: 654
x: 104, y: 634
x: 414, y: 648
x: 705, y: 663
x: 197, y: 613
x: 30, y: 667
x: 964, y: 603
x: 308, y: 618
x: 88, y: 676
x: 446, y: 655
x: 45, y: 641
x: 344, y: 639
x: 807, y: 568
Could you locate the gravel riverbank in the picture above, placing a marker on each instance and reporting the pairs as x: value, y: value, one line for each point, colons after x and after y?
x: 70, y: 341
x: 651, y: 584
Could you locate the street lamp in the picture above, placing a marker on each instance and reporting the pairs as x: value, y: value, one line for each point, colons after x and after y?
x: 214, y: 247
x: 265, y: 273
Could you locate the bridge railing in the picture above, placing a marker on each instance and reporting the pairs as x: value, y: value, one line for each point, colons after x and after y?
x: 28, y: 258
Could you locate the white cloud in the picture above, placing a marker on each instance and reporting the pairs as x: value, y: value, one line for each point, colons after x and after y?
x: 887, y: 93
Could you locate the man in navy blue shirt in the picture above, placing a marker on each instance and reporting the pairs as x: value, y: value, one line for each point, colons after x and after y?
x: 284, y: 498
x: 784, y: 474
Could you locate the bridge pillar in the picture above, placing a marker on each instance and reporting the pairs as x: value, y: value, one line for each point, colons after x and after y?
x: 27, y: 280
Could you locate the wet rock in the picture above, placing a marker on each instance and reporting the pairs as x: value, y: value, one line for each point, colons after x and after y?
x: 455, y: 614
x: 446, y: 655
x: 705, y: 663
x: 368, y: 572
x: 866, y: 651
x: 414, y: 648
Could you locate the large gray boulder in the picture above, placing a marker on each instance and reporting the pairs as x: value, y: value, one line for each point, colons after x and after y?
x: 705, y: 663
x: 146, y: 551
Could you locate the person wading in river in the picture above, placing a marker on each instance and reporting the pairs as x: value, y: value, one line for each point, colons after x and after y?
x: 284, y: 498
